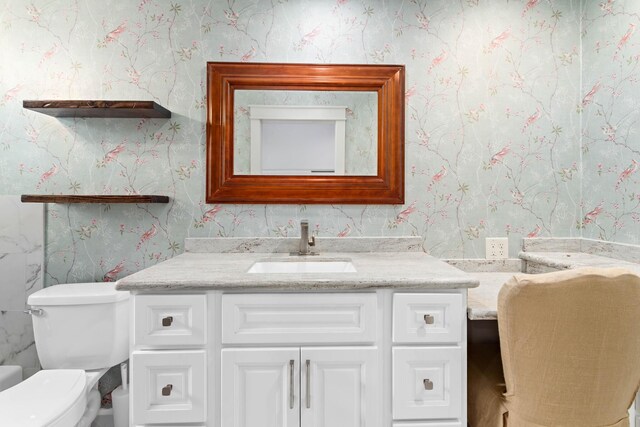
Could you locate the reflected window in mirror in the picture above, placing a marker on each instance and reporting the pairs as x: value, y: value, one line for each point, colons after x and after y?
x: 296, y: 140
x: 308, y: 133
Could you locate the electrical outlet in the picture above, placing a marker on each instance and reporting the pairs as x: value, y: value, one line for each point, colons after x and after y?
x: 497, y: 247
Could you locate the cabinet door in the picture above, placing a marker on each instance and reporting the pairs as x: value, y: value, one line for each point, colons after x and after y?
x: 260, y: 387
x: 340, y: 387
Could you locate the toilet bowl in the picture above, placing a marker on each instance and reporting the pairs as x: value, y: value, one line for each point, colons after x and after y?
x: 53, y: 397
x: 80, y: 330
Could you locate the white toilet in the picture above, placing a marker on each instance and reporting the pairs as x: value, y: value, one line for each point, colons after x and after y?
x: 81, y: 330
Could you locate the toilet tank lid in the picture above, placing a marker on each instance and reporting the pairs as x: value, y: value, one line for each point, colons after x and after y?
x: 77, y: 293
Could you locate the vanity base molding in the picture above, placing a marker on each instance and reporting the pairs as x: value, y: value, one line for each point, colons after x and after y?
x: 374, y: 358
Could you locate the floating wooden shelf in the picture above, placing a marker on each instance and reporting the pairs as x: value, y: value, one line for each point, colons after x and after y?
x: 73, y: 198
x: 95, y: 108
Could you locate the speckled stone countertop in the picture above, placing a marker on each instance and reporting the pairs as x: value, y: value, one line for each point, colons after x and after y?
x: 483, y: 301
x: 404, y: 268
x: 566, y: 260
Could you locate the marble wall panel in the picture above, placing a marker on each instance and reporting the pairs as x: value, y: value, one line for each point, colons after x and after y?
x: 21, y: 273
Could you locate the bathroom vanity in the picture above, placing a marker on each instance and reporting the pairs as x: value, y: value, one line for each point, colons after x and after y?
x: 369, y: 333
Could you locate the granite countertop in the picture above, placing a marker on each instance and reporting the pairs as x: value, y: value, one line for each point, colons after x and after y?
x: 408, y: 269
x: 566, y: 260
x: 483, y: 300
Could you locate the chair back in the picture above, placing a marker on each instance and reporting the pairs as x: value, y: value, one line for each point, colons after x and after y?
x: 570, y: 344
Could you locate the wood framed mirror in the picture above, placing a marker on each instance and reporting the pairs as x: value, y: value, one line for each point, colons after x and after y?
x: 226, y: 183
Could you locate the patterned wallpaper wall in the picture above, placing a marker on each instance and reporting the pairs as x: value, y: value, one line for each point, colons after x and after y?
x: 492, y: 135
x: 610, y: 106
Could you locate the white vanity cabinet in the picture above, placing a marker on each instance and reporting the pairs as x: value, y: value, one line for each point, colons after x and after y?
x: 375, y: 358
x: 308, y: 387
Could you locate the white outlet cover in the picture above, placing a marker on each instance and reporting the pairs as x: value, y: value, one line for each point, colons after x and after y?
x: 497, y: 248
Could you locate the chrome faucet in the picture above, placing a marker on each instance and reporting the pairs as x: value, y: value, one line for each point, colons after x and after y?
x: 305, y: 240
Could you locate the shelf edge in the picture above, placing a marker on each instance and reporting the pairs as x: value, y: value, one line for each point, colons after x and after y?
x: 107, y: 199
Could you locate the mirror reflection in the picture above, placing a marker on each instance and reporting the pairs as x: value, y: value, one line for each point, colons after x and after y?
x: 295, y: 132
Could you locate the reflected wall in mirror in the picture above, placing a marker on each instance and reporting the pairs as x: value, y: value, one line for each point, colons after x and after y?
x: 305, y: 133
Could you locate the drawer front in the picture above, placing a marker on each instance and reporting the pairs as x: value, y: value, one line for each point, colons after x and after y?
x: 170, y: 320
x: 427, y: 318
x: 298, y: 319
x: 436, y: 424
x: 168, y: 387
x: 427, y: 383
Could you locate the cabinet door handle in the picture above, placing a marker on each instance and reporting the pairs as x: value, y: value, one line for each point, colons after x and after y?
x: 166, y: 390
x: 291, y: 386
x: 428, y: 385
x: 167, y: 321
x: 308, y: 394
x: 429, y: 319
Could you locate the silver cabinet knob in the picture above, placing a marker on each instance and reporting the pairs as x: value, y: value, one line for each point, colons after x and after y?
x: 428, y: 385
x: 429, y: 319
x: 167, y: 321
x: 166, y: 390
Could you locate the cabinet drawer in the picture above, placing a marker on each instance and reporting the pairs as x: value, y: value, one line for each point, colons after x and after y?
x: 427, y: 383
x: 298, y: 319
x: 427, y: 318
x: 436, y: 424
x: 168, y: 386
x: 170, y: 320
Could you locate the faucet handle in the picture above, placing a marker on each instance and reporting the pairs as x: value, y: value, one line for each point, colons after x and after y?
x: 305, y: 240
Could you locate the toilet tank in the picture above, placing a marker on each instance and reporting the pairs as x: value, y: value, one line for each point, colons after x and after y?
x: 81, y: 326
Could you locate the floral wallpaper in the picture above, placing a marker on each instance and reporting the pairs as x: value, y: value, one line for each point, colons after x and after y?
x: 610, y: 108
x: 495, y: 113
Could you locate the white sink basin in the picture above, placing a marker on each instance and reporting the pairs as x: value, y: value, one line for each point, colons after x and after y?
x: 306, y: 266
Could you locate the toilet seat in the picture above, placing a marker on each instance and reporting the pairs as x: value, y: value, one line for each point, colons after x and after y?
x: 51, y: 398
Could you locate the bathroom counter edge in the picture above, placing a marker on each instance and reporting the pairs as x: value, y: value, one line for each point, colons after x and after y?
x: 228, y: 271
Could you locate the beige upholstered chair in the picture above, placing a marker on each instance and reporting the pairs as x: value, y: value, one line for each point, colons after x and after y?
x: 570, y: 347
